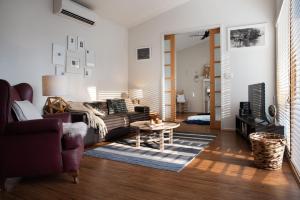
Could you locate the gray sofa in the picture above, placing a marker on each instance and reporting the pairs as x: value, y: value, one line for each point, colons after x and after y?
x: 117, y: 120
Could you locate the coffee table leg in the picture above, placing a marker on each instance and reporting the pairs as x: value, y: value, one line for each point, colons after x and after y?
x: 171, y: 136
x: 161, y: 140
x: 138, y: 138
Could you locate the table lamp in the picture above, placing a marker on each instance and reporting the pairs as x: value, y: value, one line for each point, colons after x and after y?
x: 54, y: 87
x: 136, y: 95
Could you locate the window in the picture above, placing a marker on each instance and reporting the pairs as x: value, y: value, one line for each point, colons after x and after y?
x: 283, y: 69
x: 288, y: 76
x: 295, y: 83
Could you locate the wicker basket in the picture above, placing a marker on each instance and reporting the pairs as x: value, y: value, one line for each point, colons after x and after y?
x: 268, y: 149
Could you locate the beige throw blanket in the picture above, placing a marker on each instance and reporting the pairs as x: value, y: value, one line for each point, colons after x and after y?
x: 94, y: 121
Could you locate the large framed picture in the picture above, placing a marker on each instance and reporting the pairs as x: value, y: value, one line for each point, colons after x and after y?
x: 143, y: 53
x: 247, y: 36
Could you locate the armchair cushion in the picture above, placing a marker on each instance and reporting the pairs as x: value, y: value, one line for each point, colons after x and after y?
x: 25, y: 110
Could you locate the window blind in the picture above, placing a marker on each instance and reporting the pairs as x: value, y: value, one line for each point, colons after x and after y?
x: 295, y: 82
x: 283, y: 69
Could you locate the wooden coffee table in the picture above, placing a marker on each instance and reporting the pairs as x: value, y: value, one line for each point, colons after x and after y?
x: 144, y: 128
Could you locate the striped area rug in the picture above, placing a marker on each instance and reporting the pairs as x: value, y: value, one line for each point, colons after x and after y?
x: 175, y: 157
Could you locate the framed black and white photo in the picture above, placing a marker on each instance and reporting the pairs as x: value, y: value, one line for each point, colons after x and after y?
x: 71, y: 43
x: 87, y: 72
x: 247, y: 36
x: 58, y: 54
x: 73, y: 63
x: 80, y: 44
x: 143, y: 53
x: 59, y: 70
x: 90, y: 58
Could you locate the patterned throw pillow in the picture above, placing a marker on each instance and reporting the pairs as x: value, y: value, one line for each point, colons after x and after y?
x: 117, y: 105
x: 110, y: 106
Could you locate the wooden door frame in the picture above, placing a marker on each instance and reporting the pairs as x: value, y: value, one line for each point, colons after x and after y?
x: 213, y: 123
x: 223, y: 33
x: 172, y: 79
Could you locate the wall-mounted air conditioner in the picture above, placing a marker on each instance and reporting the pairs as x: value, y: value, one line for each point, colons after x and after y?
x: 74, y: 10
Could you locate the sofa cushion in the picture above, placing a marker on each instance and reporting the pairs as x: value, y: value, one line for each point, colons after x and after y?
x: 137, y: 116
x: 100, y: 106
x: 116, y: 120
x: 110, y: 106
x: 117, y: 106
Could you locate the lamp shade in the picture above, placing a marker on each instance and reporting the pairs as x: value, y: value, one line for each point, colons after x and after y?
x: 54, y: 85
x: 136, y: 94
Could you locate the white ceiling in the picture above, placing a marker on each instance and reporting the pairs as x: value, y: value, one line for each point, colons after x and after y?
x: 184, y: 40
x: 130, y: 12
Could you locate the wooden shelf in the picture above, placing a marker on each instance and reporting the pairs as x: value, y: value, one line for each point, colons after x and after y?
x: 167, y: 51
x: 217, y: 91
x: 217, y: 76
x: 217, y: 47
x: 167, y: 65
x: 217, y: 61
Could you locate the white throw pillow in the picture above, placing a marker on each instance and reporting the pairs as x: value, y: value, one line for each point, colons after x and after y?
x: 180, y: 98
x: 25, y: 110
x: 129, y: 105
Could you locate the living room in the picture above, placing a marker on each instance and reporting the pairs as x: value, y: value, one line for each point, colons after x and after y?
x: 131, y: 146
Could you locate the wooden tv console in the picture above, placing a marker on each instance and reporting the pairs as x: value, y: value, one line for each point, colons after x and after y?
x: 246, y: 125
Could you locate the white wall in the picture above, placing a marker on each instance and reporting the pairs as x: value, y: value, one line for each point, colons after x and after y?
x: 190, y: 61
x: 248, y: 66
x: 27, y: 31
x: 278, y: 6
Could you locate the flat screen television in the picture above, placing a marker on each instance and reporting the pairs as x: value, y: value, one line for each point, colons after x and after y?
x: 256, y: 98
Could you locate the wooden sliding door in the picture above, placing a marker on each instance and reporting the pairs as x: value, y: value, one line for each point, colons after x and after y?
x: 169, y: 100
x: 215, y: 79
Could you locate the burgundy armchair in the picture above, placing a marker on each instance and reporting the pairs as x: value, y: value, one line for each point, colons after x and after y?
x: 34, y: 147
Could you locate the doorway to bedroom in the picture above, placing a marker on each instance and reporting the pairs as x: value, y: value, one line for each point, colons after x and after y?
x: 192, y: 78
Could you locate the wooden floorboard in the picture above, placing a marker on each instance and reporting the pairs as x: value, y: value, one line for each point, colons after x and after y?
x: 223, y: 171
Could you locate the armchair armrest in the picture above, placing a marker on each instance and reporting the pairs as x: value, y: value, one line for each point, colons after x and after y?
x: 72, y: 142
x: 34, y: 126
x: 142, y: 109
x: 65, y: 117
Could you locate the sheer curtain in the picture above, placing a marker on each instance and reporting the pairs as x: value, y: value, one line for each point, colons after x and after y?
x: 295, y: 83
x: 283, y: 69
x: 288, y: 76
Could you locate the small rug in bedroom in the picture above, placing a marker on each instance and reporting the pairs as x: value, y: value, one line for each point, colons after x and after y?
x: 175, y: 157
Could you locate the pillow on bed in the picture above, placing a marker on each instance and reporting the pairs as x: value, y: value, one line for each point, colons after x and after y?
x: 205, y: 118
x: 25, y: 110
